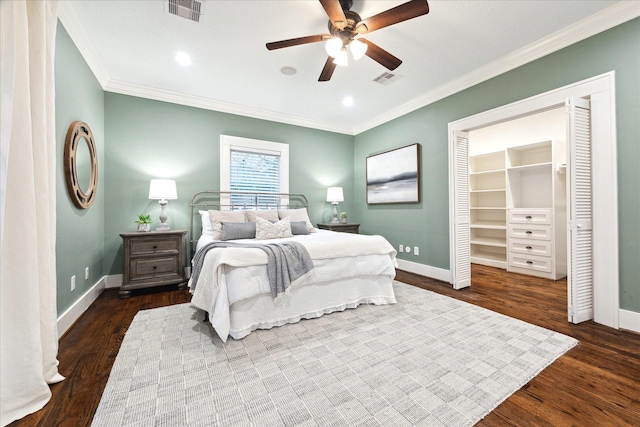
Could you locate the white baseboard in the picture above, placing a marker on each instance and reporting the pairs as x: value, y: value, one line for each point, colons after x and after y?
x: 113, y: 281
x: 425, y: 270
x: 73, y: 313
x: 629, y: 320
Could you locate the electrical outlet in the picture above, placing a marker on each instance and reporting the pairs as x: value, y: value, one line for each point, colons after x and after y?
x: 73, y: 283
x: 407, y: 249
x: 416, y: 250
x: 401, y: 247
x: 86, y: 273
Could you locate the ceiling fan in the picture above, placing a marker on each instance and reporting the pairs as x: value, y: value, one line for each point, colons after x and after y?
x: 345, y: 25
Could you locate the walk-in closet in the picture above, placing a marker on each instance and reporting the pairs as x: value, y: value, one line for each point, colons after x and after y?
x: 517, y: 195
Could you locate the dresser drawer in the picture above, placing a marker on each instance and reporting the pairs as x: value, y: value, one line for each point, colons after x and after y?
x: 151, y: 245
x: 530, y: 216
x: 530, y: 247
x: 158, y: 267
x: 536, y: 232
x: 530, y: 262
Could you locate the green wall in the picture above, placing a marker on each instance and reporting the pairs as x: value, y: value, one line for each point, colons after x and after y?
x: 427, y: 225
x: 150, y: 139
x: 80, y: 232
x: 140, y: 139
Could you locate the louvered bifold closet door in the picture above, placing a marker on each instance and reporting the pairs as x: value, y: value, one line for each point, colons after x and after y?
x: 580, y: 274
x: 461, y: 273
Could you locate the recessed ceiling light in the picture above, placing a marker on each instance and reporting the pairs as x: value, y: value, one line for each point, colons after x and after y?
x: 347, y: 101
x: 183, y: 59
x: 288, y: 71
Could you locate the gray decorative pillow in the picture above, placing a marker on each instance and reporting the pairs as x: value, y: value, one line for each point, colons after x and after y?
x: 238, y: 230
x: 299, y: 227
x: 297, y: 215
x: 217, y: 217
x: 277, y: 230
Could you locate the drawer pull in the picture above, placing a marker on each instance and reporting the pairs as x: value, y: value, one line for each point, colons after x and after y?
x: 155, y: 246
x: 528, y: 217
x: 529, y: 232
x: 529, y: 247
x: 529, y: 262
x: 155, y: 266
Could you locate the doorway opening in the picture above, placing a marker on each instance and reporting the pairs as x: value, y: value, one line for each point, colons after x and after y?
x: 603, y: 194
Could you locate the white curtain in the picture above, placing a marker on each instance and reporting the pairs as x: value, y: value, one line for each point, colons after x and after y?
x: 28, y: 334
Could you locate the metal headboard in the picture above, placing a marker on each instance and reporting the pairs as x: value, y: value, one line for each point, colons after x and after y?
x: 223, y: 200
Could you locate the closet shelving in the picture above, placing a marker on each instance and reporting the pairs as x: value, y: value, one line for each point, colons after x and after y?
x: 518, y: 209
x: 488, y: 229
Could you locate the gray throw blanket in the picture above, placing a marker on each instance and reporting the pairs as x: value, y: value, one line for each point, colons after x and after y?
x: 287, y: 262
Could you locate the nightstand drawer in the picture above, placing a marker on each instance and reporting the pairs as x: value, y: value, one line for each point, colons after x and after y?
x: 342, y: 228
x: 151, y: 246
x: 147, y: 268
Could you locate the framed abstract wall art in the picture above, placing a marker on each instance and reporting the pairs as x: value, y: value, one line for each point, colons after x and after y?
x: 394, y: 176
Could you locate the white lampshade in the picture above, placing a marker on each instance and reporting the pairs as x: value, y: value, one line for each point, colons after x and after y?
x: 334, y: 194
x: 358, y: 49
x: 342, y: 58
x: 333, y: 46
x: 163, y: 189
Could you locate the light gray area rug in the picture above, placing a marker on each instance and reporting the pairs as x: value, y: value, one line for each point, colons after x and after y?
x: 428, y: 360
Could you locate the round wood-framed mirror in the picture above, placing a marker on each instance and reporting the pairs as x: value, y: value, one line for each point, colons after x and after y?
x: 81, y: 164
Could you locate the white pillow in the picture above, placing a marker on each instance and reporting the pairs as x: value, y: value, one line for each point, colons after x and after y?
x: 217, y: 217
x: 267, y: 230
x: 268, y: 214
x: 207, y: 230
x: 297, y: 215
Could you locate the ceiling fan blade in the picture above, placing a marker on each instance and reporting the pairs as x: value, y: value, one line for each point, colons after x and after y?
x: 401, y: 13
x: 335, y: 13
x: 381, y: 56
x: 327, y: 71
x: 298, y: 41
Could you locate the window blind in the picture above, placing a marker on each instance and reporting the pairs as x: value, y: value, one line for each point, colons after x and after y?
x: 254, y: 172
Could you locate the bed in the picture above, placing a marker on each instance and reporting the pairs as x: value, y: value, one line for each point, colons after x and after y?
x: 232, y: 283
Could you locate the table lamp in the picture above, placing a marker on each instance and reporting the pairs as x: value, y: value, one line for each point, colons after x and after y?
x: 163, y: 190
x: 334, y: 195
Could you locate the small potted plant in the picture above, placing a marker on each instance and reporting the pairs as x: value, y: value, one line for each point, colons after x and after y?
x: 144, y: 222
x: 343, y: 217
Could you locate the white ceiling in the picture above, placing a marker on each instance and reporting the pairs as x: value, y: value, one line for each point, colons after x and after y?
x: 130, y: 46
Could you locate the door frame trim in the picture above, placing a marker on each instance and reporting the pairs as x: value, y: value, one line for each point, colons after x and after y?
x: 601, y: 90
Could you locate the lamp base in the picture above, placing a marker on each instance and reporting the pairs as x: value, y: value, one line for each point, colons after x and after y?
x: 163, y: 217
x: 335, y: 214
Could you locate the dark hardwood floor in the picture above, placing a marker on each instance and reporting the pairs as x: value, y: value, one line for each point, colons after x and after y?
x: 597, y: 383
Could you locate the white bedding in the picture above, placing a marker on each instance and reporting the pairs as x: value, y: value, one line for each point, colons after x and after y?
x: 233, y: 275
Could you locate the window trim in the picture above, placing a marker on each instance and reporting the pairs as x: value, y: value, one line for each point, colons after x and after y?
x: 229, y: 143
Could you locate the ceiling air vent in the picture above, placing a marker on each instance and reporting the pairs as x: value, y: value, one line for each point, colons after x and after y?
x: 387, y: 78
x: 188, y: 9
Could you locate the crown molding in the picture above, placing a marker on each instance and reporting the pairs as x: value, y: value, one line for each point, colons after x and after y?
x: 617, y: 14
x: 611, y: 17
x: 149, y: 92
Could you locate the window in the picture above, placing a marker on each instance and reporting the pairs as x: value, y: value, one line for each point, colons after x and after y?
x: 254, y: 166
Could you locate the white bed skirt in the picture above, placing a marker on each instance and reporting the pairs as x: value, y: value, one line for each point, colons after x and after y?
x: 308, y: 301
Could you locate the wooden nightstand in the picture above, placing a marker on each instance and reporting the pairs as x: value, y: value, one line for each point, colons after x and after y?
x: 154, y: 258
x: 343, y: 228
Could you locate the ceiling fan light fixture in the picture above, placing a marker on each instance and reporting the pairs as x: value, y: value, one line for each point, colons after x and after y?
x: 358, y: 49
x: 333, y: 46
x: 342, y: 58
